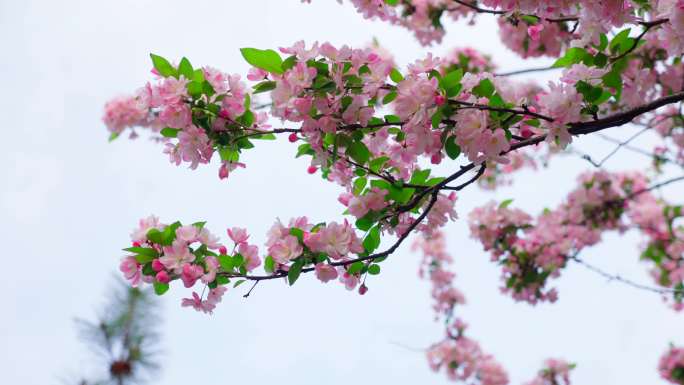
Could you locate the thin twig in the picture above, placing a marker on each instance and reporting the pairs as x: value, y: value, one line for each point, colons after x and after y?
x: 618, y: 278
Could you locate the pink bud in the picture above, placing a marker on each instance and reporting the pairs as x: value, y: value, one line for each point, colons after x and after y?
x: 223, y: 250
x: 136, y: 244
x: 436, y: 158
x: 439, y: 100
x: 526, y: 132
x: 363, y: 289
x: 163, y: 277
x: 156, y: 265
x: 223, y: 171
x: 311, y: 169
x: 292, y: 138
x: 224, y: 114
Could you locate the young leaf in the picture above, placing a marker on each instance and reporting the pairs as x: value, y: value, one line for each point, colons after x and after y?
x: 267, y: 60
x: 294, y: 272
x: 452, y: 149
x: 374, y: 269
x: 163, y: 66
x: 169, y: 132
x: 359, y: 152
x: 372, y: 240
x: 160, y: 288
x: 185, y: 68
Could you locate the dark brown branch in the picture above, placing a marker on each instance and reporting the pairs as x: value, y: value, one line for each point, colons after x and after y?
x: 385, y: 253
x: 580, y: 128
x: 478, y: 9
x: 484, y: 107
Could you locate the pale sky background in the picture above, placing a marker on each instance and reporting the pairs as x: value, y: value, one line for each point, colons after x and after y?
x: 69, y: 199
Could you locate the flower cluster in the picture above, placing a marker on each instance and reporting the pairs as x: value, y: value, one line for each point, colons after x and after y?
x: 671, y: 366
x: 531, y: 28
x: 164, y: 253
x: 555, y: 372
x: 195, y: 112
x: 532, y: 251
x: 461, y: 357
x: 665, y: 243
x: 373, y: 129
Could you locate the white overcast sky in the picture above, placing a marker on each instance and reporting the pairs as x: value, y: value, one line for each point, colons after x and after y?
x: 68, y: 200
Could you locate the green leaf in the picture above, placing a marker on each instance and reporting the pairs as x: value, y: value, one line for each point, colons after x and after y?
x: 485, y: 89
x: 238, y: 283
x: 374, y: 269
x: 572, y: 56
x: 295, y: 271
x: 238, y: 260
x: 392, y: 119
x: 420, y: 176
x: 299, y: 233
x: 389, y: 98
x: 600, y: 60
x: 226, y: 262
x: 267, y: 60
x: 377, y: 163
x: 451, y: 82
x: 452, y: 149
x: 268, y: 136
x: 169, y: 132
x: 163, y: 66
x: 437, y: 118
x: 154, y: 236
x: 355, y: 267
x: 289, y: 62
x: 195, y: 89
x: 264, y: 86
x: 269, y: 264
x: 364, y: 223
x: 505, y: 203
x: 113, y: 136
x: 372, y: 240
x: 144, y: 254
x: 304, y: 149
x: 160, y: 288
x: 396, y: 76
x: 198, y: 76
x: 621, y: 42
x: 185, y: 69
x: 359, y: 185
x: 359, y: 152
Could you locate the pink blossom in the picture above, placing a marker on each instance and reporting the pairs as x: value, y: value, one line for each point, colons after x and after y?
x: 187, y: 234
x: 212, y: 266
x: 191, y: 273
x: 325, y: 272
x: 131, y: 270
x: 176, y: 255
x: 286, y: 249
x: 251, y: 254
x: 238, y: 235
x: 334, y: 239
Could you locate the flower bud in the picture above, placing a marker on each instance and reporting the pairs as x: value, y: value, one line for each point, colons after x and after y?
x: 163, y: 277
x: 156, y: 265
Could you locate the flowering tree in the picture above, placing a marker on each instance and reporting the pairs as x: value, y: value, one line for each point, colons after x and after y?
x: 373, y: 128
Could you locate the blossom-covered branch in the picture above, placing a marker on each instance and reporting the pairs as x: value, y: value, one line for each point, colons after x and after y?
x: 374, y: 128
